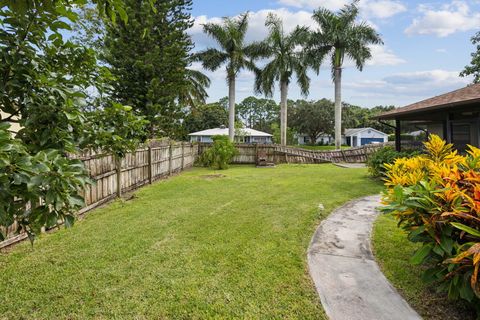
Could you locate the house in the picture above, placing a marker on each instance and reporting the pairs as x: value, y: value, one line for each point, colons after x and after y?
x: 361, y: 136
x: 245, y: 135
x: 454, y: 116
x: 324, y: 139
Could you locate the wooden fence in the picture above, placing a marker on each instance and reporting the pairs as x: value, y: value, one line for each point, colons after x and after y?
x: 250, y: 153
x: 145, y: 165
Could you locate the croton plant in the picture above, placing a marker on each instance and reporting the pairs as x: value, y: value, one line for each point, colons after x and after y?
x: 435, y: 197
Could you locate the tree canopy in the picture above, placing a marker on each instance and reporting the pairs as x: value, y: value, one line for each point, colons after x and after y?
x: 473, y: 69
x: 148, y: 59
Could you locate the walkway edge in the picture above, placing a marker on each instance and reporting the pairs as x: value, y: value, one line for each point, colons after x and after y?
x: 342, y: 266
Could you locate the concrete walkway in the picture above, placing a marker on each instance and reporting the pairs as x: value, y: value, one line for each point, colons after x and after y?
x: 347, y: 278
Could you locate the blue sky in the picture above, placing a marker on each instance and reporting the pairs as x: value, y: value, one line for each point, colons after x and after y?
x: 427, y: 44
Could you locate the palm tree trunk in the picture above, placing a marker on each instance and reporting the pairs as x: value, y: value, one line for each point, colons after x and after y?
x: 231, y: 109
x: 338, y: 107
x: 283, y: 112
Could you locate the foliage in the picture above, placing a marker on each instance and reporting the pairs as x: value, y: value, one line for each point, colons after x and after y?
x: 195, y: 93
x: 37, y: 191
x: 44, y: 82
x: 313, y: 118
x: 387, y: 155
x: 258, y: 114
x: 474, y: 67
x: 393, y: 251
x: 285, y: 58
x: 220, y: 154
x: 208, y: 116
x: 115, y: 129
x: 358, y: 117
x: 275, y: 129
x: 436, y: 199
x: 148, y: 59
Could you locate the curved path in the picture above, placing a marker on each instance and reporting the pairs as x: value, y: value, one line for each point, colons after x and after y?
x: 346, y: 276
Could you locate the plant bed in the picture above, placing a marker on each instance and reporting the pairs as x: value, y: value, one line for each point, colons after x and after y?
x: 393, y: 251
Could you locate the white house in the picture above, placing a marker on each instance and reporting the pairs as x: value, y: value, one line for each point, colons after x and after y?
x: 245, y: 135
x: 324, y: 139
x: 361, y: 136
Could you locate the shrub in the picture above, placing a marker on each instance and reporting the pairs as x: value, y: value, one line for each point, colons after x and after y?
x: 377, y: 160
x: 436, y: 198
x: 220, y: 154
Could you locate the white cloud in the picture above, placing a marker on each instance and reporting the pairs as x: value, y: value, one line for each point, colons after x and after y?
x: 256, y: 29
x: 381, y: 55
x: 368, y: 8
x: 441, y: 50
x: 406, y: 87
x: 446, y: 20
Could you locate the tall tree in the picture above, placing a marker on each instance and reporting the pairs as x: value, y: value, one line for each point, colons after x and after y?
x: 257, y: 113
x: 232, y: 52
x: 474, y: 67
x: 339, y: 35
x: 286, y: 60
x: 208, y: 116
x: 148, y: 59
x: 313, y: 118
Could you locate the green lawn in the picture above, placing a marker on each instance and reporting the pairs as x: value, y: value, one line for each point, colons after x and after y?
x: 393, y: 252
x: 191, y: 247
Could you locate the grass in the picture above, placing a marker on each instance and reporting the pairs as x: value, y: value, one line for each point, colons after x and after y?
x: 393, y: 252
x: 320, y: 148
x: 195, y: 246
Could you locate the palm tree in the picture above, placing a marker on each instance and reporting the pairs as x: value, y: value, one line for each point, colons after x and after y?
x: 230, y: 36
x: 286, y: 59
x: 339, y: 35
x: 195, y: 92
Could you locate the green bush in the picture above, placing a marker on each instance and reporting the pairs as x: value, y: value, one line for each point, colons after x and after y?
x: 220, y: 154
x: 435, y: 198
x: 386, y: 155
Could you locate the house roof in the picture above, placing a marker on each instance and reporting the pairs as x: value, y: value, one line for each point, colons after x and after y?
x: 354, y: 131
x: 463, y: 96
x: 224, y: 132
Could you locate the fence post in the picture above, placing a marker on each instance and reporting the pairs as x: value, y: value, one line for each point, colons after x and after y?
x: 170, y: 159
x: 256, y: 154
x: 118, y: 165
x: 183, y: 155
x: 150, y: 164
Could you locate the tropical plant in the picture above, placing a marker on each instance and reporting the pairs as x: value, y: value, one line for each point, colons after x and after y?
x: 195, y: 93
x: 339, y: 36
x: 232, y: 52
x: 115, y: 129
x: 220, y: 154
x: 436, y: 198
x: 286, y: 61
x: 387, y: 155
x: 39, y: 190
x: 43, y: 83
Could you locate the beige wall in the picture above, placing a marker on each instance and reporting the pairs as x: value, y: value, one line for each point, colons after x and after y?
x: 14, y: 126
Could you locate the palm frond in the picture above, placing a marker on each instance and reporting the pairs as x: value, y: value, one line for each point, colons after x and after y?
x: 211, y: 59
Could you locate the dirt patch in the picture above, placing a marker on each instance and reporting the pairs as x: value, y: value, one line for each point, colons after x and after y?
x: 212, y: 176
